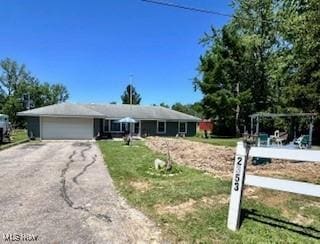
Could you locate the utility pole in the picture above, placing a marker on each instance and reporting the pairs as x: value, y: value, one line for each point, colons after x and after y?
x: 131, y: 76
x: 28, y: 104
x: 26, y: 100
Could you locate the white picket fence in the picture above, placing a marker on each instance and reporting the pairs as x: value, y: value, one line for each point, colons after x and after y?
x: 240, y: 178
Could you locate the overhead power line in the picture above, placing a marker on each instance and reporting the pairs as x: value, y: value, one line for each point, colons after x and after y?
x: 168, y: 4
x: 201, y: 10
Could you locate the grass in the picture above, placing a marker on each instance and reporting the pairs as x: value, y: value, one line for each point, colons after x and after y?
x: 17, y: 136
x: 155, y: 192
x: 228, y: 142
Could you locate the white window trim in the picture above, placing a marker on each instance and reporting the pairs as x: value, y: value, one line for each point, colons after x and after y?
x: 165, y: 127
x: 186, y: 127
x: 104, y: 122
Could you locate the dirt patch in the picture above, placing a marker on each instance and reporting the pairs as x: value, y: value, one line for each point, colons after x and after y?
x: 250, y: 192
x: 182, y: 209
x: 302, y: 220
x: 219, y: 160
x: 179, y: 210
x: 214, y: 159
x: 140, y: 185
x: 220, y: 199
x: 270, y: 198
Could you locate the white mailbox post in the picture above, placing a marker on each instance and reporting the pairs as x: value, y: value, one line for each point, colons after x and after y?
x: 240, y: 178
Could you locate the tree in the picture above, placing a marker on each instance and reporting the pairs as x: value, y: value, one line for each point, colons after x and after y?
x: 59, y: 93
x: 130, y: 96
x: 19, y: 89
x: 192, y: 109
x: 164, y: 105
x: 300, y: 26
x: 12, y: 75
x: 223, y: 80
x: 267, y: 58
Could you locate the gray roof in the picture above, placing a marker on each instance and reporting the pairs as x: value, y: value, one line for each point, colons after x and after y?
x: 61, y: 109
x: 112, y: 111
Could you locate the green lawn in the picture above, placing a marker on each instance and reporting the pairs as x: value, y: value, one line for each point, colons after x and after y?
x: 228, y: 142
x: 16, y: 136
x: 192, y: 206
x: 19, y: 135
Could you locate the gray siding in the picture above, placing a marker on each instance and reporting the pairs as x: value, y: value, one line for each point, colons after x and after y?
x: 33, y: 126
x: 97, y: 123
x: 149, y: 128
x: 172, y: 129
x: 192, y: 129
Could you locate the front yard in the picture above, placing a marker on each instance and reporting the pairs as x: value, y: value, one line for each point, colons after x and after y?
x: 191, y: 205
x: 17, y: 136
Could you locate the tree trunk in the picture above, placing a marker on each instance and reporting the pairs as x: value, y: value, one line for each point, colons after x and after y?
x: 237, y: 111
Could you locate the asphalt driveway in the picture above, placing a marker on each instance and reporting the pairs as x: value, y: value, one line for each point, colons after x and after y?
x: 61, y: 192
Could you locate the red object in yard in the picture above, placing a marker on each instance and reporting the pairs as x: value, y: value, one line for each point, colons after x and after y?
x: 206, y: 125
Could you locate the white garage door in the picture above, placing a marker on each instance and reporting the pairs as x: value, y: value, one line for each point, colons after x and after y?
x: 66, y: 128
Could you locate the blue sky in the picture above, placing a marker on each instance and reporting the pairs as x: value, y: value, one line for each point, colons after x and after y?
x: 93, y: 46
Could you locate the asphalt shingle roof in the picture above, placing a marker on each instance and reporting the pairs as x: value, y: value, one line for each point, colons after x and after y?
x: 61, y: 109
x: 112, y: 111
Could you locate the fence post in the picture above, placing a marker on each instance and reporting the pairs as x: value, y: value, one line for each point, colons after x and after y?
x: 237, y: 187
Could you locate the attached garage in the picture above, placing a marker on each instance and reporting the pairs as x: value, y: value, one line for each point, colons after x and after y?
x: 66, y: 128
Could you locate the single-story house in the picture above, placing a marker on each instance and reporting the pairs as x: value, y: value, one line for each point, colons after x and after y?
x: 87, y: 121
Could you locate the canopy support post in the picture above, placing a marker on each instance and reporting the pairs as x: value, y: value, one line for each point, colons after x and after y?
x: 257, y: 126
x: 310, y: 132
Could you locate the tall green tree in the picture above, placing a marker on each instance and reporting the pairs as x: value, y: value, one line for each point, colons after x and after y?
x: 130, y: 96
x: 12, y: 75
x: 266, y: 59
x: 255, y: 23
x: 300, y: 26
x: 223, y: 80
x: 17, y: 85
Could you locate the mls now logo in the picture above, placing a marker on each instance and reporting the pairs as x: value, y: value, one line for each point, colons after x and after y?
x: 20, y: 237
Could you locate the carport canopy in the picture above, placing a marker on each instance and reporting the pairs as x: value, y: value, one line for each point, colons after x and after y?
x: 257, y: 117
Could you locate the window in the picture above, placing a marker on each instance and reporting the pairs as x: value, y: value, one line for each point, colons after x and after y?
x: 115, y: 126
x: 106, y: 125
x: 182, y: 127
x: 161, y: 127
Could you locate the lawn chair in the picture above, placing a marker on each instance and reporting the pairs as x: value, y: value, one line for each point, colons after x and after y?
x: 281, y: 139
x: 263, y: 139
x: 302, y: 142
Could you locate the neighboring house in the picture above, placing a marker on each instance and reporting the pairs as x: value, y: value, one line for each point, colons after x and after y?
x: 87, y: 121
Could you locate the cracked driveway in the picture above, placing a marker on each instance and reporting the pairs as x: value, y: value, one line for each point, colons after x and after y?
x: 62, y: 192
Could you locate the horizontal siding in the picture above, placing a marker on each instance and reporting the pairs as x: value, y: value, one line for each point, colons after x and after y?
x: 192, y: 129
x: 98, y: 124
x: 149, y: 128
